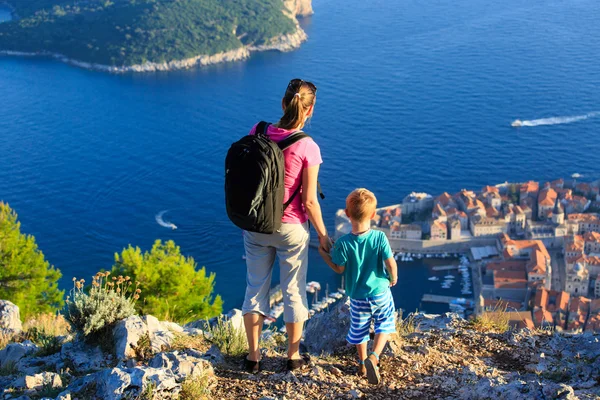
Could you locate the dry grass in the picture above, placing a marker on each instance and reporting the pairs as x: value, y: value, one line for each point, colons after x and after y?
x: 5, y: 339
x: 492, y: 321
x: 406, y: 326
x: 182, y: 341
x: 196, y: 388
x: 49, y: 324
x: 230, y: 340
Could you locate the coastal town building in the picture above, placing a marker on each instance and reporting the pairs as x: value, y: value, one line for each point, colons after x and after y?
x: 445, y: 201
x: 515, y: 218
x: 593, y: 322
x: 592, y: 242
x: 578, y: 279
x: 454, y: 228
x: 490, y: 195
x: 550, y: 308
x: 574, y: 247
x: 538, y: 265
x: 575, y: 204
x: 417, y: 203
x: 578, y: 313
x: 410, y: 232
x: 484, y: 226
x: 439, y: 230
x: 506, y: 280
x: 579, y: 224
x: 597, y: 286
x: 546, y: 202
x: 439, y: 213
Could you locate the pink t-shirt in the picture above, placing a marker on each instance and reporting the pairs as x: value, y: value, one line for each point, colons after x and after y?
x: 302, y: 154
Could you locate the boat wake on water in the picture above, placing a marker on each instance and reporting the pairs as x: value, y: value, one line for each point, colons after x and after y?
x: 553, y: 120
x: 162, y: 222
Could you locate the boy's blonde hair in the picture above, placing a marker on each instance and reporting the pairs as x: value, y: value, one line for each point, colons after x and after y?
x: 361, y: 204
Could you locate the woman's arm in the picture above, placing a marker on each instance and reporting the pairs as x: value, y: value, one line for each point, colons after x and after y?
x: 311, y: 204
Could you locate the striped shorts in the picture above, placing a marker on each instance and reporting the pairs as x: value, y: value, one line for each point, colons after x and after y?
x: 379, y: 309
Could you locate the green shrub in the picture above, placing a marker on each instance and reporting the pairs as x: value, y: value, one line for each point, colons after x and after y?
x: 9, y: 368
x: 406, y: 326
x: 174, y: 289
x: 229, y: 339
x: 26, y: 278
x: 195, y: 387
x: 107, y: 302
x: 48, y: 344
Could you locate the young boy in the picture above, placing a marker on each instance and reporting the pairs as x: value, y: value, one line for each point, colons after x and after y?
x: 361, y: 256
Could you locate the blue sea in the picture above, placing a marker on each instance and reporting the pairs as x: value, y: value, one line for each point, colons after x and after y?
x: 412, y: 96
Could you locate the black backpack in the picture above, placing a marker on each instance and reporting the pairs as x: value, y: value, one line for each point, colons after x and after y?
x: 254, y: 181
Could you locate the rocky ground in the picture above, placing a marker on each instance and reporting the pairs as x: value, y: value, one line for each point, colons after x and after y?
x: 444, y: 358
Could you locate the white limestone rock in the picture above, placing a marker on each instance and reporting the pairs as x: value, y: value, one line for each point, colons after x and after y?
x: 10, y: 318
x: 120, y: 383
x: 126, y: 335
x: 38, y: 382
x: 14, y: 352
x: 326, y: 332
x: 83, y: 357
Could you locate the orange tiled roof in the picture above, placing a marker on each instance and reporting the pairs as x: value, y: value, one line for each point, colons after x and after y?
x: 510, y: 280
x: 530, y: 187
x: 508, y: 265
x: 491, y: 212
x: 579, y: 304
x: 541, y: 316
x: 541, y: 298
x: 595, y: 305
x: 439, y: 210
x: 490, y: 189
x: 592, y: 237
x: 547, y: 197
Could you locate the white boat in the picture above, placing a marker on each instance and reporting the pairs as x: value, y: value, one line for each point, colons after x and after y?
x: 311, y: 287
x: 434, y: 278
x: 517, y: 123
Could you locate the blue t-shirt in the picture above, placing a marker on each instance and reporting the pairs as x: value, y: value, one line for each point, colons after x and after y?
x: 363, y: 256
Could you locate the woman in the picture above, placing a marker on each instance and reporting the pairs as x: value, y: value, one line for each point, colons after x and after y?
x: 290, y: 243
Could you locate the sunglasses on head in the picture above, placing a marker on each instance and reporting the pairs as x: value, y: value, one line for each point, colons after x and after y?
x: 296, y: 84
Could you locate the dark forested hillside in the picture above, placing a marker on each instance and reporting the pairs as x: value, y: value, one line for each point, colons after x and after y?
x: 128, y: 32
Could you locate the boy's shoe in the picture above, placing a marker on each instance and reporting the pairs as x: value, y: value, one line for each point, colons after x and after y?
x: 296, y: 364
x: 371, y: 365
x: 252, y: 367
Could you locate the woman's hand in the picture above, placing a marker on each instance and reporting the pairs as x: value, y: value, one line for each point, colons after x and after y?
x: 325, y: 243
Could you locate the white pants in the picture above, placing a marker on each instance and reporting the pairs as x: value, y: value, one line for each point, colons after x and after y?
x: 290, y: 244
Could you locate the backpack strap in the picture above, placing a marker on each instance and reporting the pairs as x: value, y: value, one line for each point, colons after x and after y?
x: 291, y: 139
x: 261, y: 128
x: 284, y: 144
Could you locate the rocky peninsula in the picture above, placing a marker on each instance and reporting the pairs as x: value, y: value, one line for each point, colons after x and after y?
x: 432, y: 357
x: 238, y: 46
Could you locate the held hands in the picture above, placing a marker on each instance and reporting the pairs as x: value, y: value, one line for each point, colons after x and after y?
x: 325, y: 243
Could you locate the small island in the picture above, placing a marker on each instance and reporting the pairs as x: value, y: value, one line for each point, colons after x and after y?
x: 151, y: 35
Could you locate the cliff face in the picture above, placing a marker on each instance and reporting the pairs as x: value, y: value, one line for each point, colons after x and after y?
x: 433, y: 357
x: 299, y: 8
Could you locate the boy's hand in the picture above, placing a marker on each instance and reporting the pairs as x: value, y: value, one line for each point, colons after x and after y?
x: 325, y: 254
x: 393, y: 282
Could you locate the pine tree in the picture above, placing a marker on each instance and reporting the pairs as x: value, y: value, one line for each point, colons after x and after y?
x: 172, y: 286
x: 26, y: 278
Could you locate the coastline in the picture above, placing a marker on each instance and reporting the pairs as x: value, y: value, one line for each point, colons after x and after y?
x: 282, y: 43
